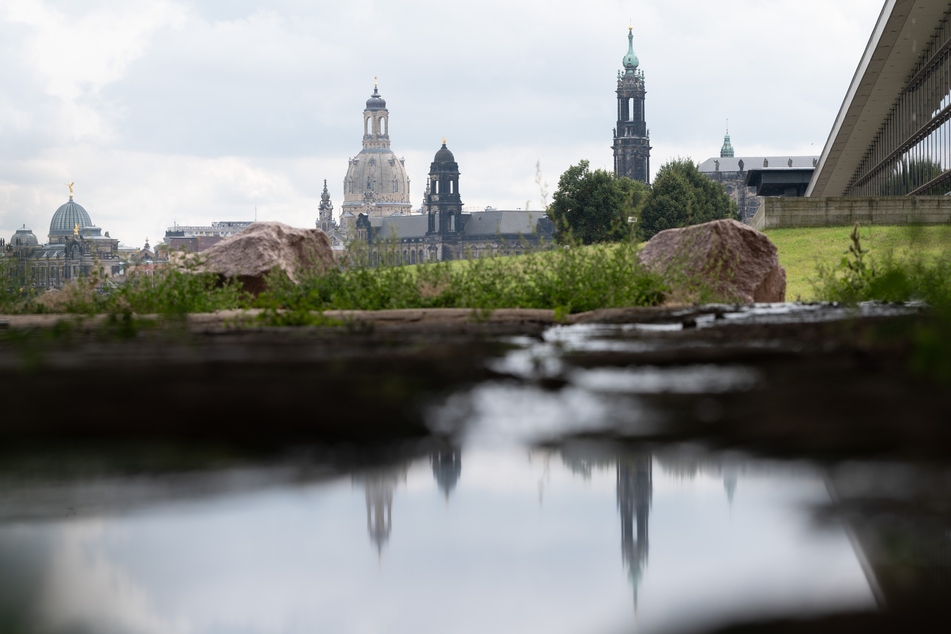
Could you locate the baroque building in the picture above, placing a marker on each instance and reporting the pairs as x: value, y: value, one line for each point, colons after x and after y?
x: 376, y: 183
x: 445, y: 231
x: 632, y: 148
x: 76, y: 248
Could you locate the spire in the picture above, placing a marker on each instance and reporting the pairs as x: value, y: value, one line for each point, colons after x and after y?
x: 630, y: 60
x: 727, y: 150
x: 325, y: 196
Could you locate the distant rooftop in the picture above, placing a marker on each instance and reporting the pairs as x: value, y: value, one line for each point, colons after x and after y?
x: 732, y: 164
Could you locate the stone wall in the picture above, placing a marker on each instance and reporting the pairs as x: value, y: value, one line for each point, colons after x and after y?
x: 777, y: 213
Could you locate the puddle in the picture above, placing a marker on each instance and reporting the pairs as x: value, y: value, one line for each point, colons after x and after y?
x: 584, y: 539
x: 495, y: 535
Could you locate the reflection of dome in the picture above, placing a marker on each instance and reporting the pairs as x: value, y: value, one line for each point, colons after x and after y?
x: 24, y: 238
x: 66, y: 218
x: 444, y: 155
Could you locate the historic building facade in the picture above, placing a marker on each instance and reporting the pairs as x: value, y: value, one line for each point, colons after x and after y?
x: 76, y: 248
x: 632, y: 147
x: 376, y: 183
x: 741, y: 176
x: 198, y: 238
x: 444, y: 231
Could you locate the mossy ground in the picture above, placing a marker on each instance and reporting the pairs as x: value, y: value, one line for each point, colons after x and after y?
x: 802, y: 251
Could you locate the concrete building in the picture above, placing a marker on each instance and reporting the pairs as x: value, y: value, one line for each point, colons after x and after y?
x: 892, y: 135
x: 632, y: 150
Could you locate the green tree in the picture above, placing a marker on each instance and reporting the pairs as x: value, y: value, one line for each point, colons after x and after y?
x: 591, y: 206
x: 683, y: 196
x: 910, y: 174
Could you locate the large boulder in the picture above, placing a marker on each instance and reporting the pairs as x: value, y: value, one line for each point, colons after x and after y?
x: 263, y: 246
x: 725, y: 258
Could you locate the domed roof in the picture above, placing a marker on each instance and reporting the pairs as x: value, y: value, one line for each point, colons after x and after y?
x: 379, y: 171
x: 67, y: 217
x: 630, y: 60
x: 376, y: 102
x: 444, y: 155
x: 24, y: 238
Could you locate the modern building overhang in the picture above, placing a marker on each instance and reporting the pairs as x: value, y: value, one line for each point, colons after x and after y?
x: 903, y: 30
x: 779, y: 181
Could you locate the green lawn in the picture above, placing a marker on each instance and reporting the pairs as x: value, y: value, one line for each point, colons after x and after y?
x: 800, y: 250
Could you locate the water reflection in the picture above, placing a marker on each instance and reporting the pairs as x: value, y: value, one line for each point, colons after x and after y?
x: 379, y: 488
x: 616, y: 531
x: 447, y: 469
x: 634, y: 490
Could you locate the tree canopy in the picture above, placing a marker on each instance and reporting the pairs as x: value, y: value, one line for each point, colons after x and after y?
x: 594, y: 206
x: 683, y: 196
x: 590, y: 206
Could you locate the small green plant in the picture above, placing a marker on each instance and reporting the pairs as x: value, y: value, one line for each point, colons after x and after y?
x: 912, y: 278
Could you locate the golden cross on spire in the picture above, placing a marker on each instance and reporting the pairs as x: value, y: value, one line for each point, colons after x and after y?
x: 375, y: 83
x: 444, y: 140
x: 630, y: 24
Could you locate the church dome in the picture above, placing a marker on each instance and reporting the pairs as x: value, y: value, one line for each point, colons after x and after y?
x: 379, y: 171
x: 444, y: 155
x: 24, y: 238
x: 67, y: 217
x: 376, y: 102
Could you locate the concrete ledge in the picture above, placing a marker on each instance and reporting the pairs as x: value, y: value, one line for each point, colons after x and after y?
x: 778, y: 213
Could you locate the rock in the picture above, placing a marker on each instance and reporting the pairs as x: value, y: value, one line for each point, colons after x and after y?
x: 733, y: 261
x: 250, y: 254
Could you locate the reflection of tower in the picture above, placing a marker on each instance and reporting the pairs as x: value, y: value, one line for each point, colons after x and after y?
x: 634, y: 492
x: 379, y: 495
x: 729, y: 485
x: 447, y: 467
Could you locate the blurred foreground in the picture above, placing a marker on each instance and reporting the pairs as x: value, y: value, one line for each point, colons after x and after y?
x: 642, y: 470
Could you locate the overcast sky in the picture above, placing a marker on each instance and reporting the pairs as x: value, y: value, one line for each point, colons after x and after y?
x: 191, y: 111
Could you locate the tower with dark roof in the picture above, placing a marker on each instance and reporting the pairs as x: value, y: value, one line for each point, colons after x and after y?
x: 443, y: 203
x: 631, y: 147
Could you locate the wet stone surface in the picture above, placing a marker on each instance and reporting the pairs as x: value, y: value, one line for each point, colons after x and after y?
x: 683, y: 471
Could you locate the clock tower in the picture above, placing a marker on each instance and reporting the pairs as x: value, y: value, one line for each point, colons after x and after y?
x: 632, y: 148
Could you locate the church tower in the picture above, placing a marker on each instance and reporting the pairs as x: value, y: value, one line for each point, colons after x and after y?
x: 325, y: 212
x: 376, y: 183
x: 631, y: 147
x: 443, y: 204
x: 727, y: 150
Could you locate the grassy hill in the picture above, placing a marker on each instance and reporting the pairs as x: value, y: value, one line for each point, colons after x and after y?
x: 802, y: 250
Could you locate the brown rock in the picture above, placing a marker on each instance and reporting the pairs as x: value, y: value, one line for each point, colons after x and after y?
x: 733, y: 261
x: 250, y: 254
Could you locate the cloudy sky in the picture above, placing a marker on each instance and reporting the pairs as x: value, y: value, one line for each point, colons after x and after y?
x: 190, y: 111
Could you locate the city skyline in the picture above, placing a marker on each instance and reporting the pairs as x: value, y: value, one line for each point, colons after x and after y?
x: 177, y: 112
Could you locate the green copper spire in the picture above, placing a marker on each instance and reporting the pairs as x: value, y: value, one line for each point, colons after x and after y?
x: 630, y: 60
x: 727, y: 150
